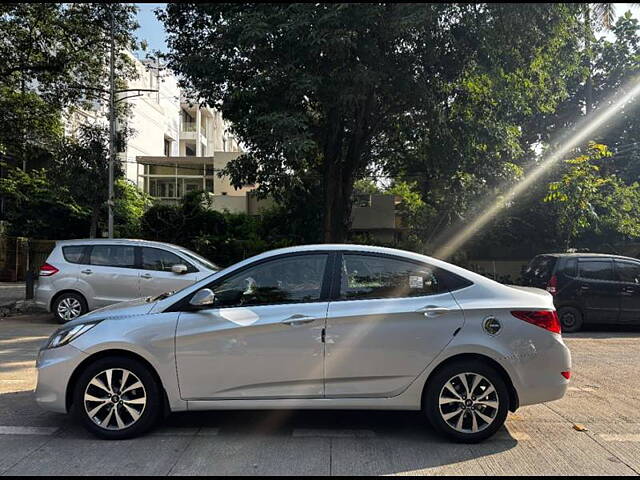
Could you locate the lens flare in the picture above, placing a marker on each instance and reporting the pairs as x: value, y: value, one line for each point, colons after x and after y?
x: 581, y: 133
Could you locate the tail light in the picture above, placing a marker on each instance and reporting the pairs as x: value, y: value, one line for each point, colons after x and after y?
x: 566, y: 375
x: 552, y: 285
x: 47, y: 270
x: 547, y: 319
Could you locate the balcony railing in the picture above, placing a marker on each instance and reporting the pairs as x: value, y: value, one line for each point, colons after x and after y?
x: 190, y: 127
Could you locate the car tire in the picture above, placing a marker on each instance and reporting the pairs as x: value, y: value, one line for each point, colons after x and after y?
x: 570, y: 319
x: 69, y: 306
x: 488, y: 402
x: 111, y: 410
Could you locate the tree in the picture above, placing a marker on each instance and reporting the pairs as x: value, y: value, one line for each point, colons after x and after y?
x: 53, y: 57
x: 589, y: 198
x: 319, y: 93
x: 82, y: 165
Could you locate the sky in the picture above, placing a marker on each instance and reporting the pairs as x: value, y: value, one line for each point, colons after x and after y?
x: 153, y: 32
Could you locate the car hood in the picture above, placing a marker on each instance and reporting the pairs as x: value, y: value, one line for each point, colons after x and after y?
x: 139, y: 306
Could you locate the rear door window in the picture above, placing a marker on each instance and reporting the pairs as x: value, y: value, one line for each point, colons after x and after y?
x: 628, y: 272
x: 596, y: 269
x: 113, y: 256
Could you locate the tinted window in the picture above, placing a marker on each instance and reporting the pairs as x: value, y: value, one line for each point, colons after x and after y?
x: 366, y: 276
x: 596, y: 269
x: 113, y: 256
x: 73, y: 254
x: 628, y: 272
x: 571, y: 267
x: 283, y: 280
x: 161, y: 260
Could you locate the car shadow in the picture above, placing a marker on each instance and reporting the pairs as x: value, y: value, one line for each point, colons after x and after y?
x: 606, y: 331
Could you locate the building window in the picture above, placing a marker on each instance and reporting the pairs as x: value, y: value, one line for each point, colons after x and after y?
x: 167, y: 147
x: 190, y: 151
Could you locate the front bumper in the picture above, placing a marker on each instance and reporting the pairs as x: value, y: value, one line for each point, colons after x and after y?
x: 55, y: 367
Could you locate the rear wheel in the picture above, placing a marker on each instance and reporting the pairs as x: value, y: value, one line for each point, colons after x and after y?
x: 570, y: 319
x: 117, y: 398
x: 467, y: 401
x: 69, y: 306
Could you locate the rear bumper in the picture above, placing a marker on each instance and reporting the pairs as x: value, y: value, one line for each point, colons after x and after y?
x: 540, y: 378
x: 42, y: 295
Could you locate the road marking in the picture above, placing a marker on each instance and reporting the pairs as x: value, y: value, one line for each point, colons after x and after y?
x: 6, y: 430
x: 325, y: 433
x: 620, y: 437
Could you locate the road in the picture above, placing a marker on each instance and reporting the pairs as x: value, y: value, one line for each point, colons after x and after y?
x: 539, y: 440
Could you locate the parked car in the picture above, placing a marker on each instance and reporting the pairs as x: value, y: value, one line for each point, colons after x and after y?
x: 314, y: 327
x: 589, y: 288
x: 82, y: 275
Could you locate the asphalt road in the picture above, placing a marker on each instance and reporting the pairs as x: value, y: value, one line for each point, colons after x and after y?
x: 539, y: 440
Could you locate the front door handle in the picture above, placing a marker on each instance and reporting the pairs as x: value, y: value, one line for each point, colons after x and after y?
x: 87, y: 271
x: 584, y: 287
x: 298, y: 319
x: 433, y: 310
x: 146, y: 275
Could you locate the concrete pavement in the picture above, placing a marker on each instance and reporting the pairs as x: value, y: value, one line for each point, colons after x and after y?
x: 538, y: 440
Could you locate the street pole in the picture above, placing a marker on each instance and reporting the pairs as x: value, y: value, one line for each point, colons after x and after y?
x: 112, y: 124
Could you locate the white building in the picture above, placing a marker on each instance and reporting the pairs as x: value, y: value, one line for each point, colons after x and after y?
x: 177, y: 146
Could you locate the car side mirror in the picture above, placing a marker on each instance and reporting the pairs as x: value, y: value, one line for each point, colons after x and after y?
x: 179, y: 269
x: 203, y: 298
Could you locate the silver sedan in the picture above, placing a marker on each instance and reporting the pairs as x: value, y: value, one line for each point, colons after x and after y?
x: 314, y: 327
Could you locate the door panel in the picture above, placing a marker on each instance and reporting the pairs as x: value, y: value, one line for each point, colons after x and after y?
x: 628, y: 274
x: 263, y: 336
x: 249, y: 352
x: 111, y: 274
x: 598, y: 290
x: 393, y: 318
x: 378, y: 347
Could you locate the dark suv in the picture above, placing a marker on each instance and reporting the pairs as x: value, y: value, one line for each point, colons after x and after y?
x: 588, y: 287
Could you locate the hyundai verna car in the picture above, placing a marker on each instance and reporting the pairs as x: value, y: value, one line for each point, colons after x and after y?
x: 82, y: 275
x: 313, y: 327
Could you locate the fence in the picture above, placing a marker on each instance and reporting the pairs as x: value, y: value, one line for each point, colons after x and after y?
x: 18, y: 255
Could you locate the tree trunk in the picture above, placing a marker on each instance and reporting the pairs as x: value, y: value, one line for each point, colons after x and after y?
x: 95, y: 214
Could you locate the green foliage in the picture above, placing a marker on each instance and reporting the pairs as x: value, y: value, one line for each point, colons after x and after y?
x: 588, y: 198
x: 224, y: 238
x: 37, y: 208
x: 320, y: 92
x: 130, y: 206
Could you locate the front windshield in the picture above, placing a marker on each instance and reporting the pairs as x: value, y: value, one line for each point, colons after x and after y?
x: 201, y: 260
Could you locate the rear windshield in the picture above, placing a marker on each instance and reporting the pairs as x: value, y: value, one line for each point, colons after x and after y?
x: 541, y: 267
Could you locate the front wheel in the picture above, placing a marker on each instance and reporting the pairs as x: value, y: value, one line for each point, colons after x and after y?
x: 466, y: 401
x: 117, y: 398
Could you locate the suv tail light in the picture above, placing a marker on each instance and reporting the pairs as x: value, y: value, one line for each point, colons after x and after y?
x: 552, y: 285
x: 547, y: 319
x: 47, y: 270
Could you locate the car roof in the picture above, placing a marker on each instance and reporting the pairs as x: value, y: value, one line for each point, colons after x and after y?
x: 118, y: 241
x: 586, y: 255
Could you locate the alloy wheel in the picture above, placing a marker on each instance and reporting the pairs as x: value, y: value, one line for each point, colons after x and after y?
x: 115, y: 399
x: 468, y: 403
x: 69, y: 308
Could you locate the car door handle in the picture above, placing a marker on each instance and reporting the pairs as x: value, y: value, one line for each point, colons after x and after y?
x: 433, y: 310
x: 87, y: 271
x: 298, y: 320
x: 584, y: 287
x: 146, y: 275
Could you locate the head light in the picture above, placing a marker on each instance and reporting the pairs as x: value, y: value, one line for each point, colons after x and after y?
x: 65, y: 335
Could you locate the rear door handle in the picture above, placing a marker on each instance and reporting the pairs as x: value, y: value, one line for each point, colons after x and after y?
x: 433, y: 310
x: 584, y: 287
x: 298, y: 319
x: 146, y: 275
x: 87, y: 271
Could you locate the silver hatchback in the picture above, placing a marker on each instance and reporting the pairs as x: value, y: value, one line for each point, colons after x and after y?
x: 82, y: 275
x: 314, y: 327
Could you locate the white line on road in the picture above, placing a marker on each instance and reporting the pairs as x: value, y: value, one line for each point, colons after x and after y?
x: 318, y: 432
x: 6, y: 430
x: 620, y: 437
